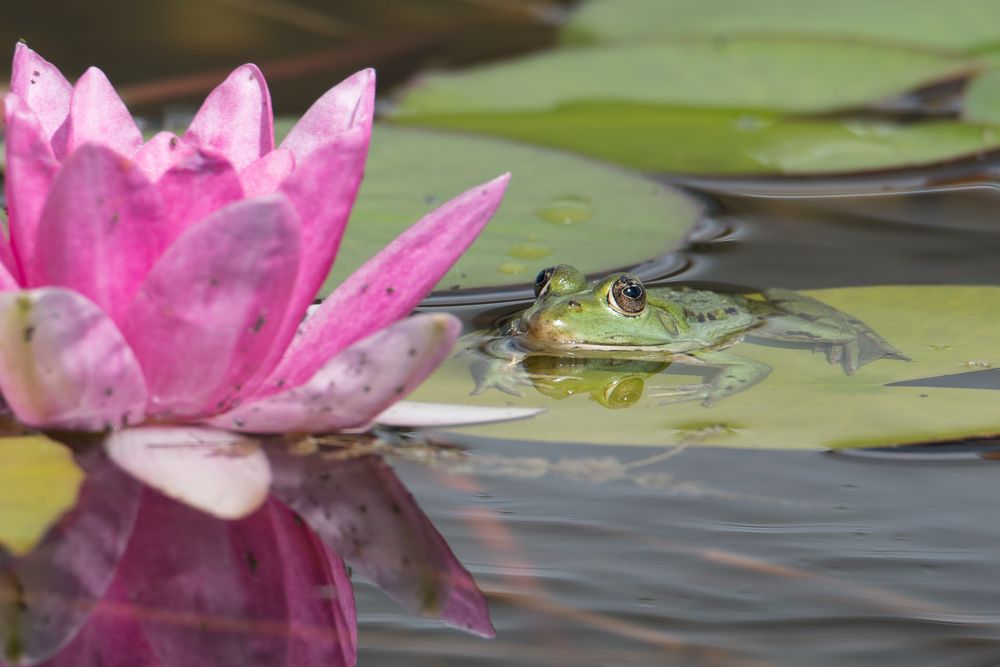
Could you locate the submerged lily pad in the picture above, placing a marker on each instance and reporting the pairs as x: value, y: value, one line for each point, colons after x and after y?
x: 38, y: 482
x: 963, y: 24
x: 710, y: 141
x: 793, y: 75
x: 558, y: 208
x: 805, y: 403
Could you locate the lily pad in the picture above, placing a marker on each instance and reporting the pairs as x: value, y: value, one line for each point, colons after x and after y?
x: 792, y: 75
x: 710, y: 141
x: 961, y: 25
x: 805, y: 403
x: 38, y: 483
x: 558, y: 208
x: 982, y: 98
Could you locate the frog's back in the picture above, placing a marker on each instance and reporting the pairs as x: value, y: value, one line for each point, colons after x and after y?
x: 713, y: 317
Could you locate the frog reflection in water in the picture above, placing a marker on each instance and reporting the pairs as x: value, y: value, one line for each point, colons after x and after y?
x: 619, y: 319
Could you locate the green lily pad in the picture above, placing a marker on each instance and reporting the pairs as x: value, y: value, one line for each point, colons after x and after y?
x: 961, y: 25
x: 707, y: 141
x: 792, y: 75
x: 982, y: 99
x: 558, y: 208
x: 39, y: 481
x: 805, y: 403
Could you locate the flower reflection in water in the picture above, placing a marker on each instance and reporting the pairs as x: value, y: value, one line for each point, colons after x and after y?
x: 133, y: 578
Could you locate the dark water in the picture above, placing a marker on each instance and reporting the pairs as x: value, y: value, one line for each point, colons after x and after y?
x: 709, y: 557
x: 734, y: 557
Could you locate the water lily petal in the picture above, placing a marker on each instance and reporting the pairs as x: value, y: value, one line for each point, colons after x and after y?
x: 98, y: 115
x: 390, y: 284
x: 414, y: 414
x: 7, y: 280
x: 236, y: 119
x: 208, y: 314
x: 222, y: 473
x: 349, y: 104
x: 323, y: 189
x: 160, y: 153
x: 263, y: 176
x: 355, y: 385
x: 195, y: 186
x: 42, y: 87
x: 64, y: 364
x: 199, y: 592
x: 70, y: 571
x: 31, y: 168
x: 360, y: 508
x: 100, y: 229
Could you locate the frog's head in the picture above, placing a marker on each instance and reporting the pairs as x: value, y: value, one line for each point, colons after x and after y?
x: 615, y: 311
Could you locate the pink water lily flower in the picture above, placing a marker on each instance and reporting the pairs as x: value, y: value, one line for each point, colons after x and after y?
x: 147, y: 285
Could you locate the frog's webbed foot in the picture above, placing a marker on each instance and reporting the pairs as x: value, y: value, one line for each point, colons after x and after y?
x: 735, y: 374
x: 846, y: 340
x: 506, y: 375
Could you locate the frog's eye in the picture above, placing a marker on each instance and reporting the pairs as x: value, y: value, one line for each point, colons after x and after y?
x: 627, y: 296
x: 542, y: 280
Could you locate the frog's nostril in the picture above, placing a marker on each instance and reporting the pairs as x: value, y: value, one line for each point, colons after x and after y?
x: 574, y: 305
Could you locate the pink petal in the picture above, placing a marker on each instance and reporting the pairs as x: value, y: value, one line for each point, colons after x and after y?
x: 222, y: 473
x: 98, y: 115
x: 101, y: 229
x: 64, y: 364
x: 414, y: 414
x: 160, y: 153
x: 7, y: 281
x: 42, y: 87
x: 390, y: 284
x: 350, y: 104
x: 235, y: 119
x: 355, y: 385
x: 197, y: 185
x: 360, y: 508
x: 31, y: 168
x: 75, y: 564
x: 193, y: 591
x: 263, y: 176
x: 208, y: 314
x: 323, y: 189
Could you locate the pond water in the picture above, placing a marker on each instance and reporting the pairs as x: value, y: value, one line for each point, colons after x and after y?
x: 711, y: 556
x: 611, y: 555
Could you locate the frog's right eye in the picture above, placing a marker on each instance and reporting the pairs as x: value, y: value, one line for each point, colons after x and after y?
x: 542, y: 280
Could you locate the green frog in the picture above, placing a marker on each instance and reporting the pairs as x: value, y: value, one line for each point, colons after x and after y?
x: 620, y: 318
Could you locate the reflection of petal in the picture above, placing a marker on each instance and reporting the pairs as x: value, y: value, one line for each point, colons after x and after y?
x: 193, y: 591
x: 222, y: 473
x: 362, y: 510
x: 357, y: 384
x: 64, y: 364
x: 70, y: 571
x: 422, y: 415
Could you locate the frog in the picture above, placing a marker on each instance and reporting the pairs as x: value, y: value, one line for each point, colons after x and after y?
x: 618, y: 317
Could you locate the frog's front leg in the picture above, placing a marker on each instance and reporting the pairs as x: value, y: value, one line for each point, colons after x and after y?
x: 735, y: 374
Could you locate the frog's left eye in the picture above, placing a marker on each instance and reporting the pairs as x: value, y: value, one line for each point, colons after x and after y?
x: 628, y: 296
x: 542, y: 280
